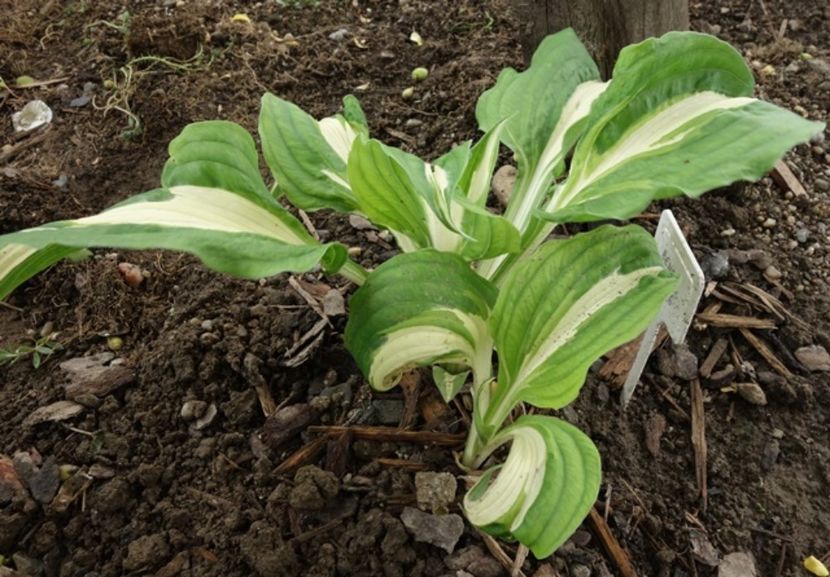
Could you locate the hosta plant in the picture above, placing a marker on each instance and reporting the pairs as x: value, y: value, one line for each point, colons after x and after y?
x: 677, y: 118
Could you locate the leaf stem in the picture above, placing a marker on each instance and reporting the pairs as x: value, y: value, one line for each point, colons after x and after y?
x: 354, y: 272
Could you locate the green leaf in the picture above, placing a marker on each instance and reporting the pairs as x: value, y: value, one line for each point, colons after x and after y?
x: 448, y: 383
x: 677, y: 118
x: 214, y: 205
x: 353, y: 113
x: 564, y: 307
x: 427, y: 205
x: 419, y: 309
x: 544, y: 110
x: 307, y: 158
x: 544, y: 489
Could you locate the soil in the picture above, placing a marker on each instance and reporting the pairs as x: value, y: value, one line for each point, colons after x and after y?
x: 171, y: 468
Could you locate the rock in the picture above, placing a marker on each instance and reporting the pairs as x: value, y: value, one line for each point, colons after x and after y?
x: 703, y: 550
x: 146, y: 551
x: 313, y: 488
x: 715, y: 265
x: 360, y: 223
x: 58, y: 411
x: 205, y: 420
x: 413, y: 123
x: 44, y: 481
x: 435, y: 491
x: 685, y: 363
x: 822, y: 184
x: 192, y: 410
x: 503, y: 182
x: 752, y: 393
x: 333, y: 303
x: 339, y: 35
x: 263, y: 549
x: 772, y: 273
x: 814, y: 358
x: 443, y: 531
x: 388, y: 411
x: 737, y: 565
x: 802, y: 234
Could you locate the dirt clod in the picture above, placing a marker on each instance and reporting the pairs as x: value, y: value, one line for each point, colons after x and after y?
x: 313, y: 488
x: 147, y: 551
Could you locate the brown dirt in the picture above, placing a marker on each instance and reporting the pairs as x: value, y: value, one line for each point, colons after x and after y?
x: 169, y: 500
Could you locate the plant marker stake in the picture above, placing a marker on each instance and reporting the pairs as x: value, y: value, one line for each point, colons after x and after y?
x: 679, y: 309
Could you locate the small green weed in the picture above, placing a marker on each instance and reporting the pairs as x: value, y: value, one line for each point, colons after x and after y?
x: 40, y: 350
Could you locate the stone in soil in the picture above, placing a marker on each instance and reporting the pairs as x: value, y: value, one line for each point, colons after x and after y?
x: 715, y: 265
x: 443, y: 531
x: 752, y: 393
x: 814, y: 358
x: 737, y: 565
x: 435, y: 491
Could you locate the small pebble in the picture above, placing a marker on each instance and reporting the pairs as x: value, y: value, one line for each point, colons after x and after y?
x: 772, y: 273
x: 752, y: 393
x: 822, y: 184
x: 769, y: 223
x: 802, y: 234
x: 192, y: 410
x: 339, y: 35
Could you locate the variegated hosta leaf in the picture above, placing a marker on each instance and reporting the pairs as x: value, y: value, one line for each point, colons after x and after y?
x: 448, y: 382
x: 565, y: 306
x: 308, y: 157
x: 544, y: 109
x: 677, y: 118
x: 544, y: 489
x: 418, y: 309
x: 438, y: 205
x: 214, y: 205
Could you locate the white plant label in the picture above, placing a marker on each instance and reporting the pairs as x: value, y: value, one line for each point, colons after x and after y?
x: 679, y: 309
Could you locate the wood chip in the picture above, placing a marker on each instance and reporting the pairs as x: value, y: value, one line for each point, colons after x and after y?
x: 735, y: 321
x: 404, y: 464
x: 393, y: 435
x: 58, y: 411
x: 715, y: 354
x: 303, y: 349
x: 764, y: 351
x: 616, y: 553
x: 497, y: 552
x: 619, y: 361
x: 699, y: 442
x: 303, y: 456
x: 784, y: 178
x: 411, y: 385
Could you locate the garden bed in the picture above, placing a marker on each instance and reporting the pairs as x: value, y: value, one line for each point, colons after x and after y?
x: 151, y: 490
